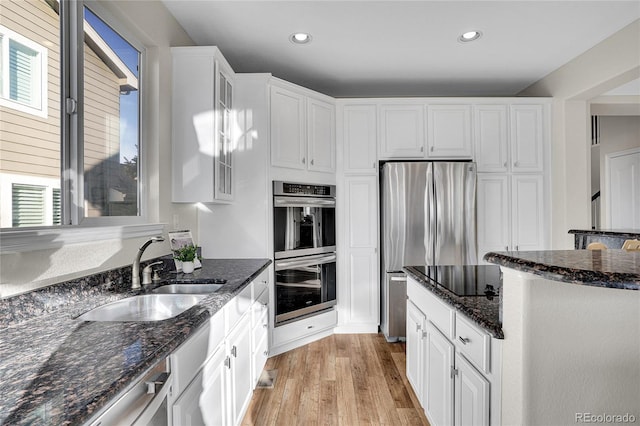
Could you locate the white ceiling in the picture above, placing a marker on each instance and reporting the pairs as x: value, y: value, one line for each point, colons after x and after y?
x: 404, y: 48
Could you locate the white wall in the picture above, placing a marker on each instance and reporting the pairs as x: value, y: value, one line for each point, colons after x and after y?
x: 152, y: 24
x: 605, y: 66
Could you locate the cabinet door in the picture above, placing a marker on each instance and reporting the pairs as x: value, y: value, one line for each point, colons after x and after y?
x: 471, y: 395
x: 214, y: 399
x: 224, y: 137
x: 187, y: 410
x: 362, y: 306
x: 239, y: 352
x: 321, y: 136
x: 415, y: 354
x: 364, y: 288
x: 438, y: 382
x: 491, y: 138
x: 288, y: 134
x: 528, y: 223
x: 527, y: 136
x: 449, y: 131
x: 193, y: 128
x: 493, y: 213
x: 359, y: 139
x: 402, y: 131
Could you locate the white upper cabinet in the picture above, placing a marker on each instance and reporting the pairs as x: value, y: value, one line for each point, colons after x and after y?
x: 321, y: 130
x: 527, y: 136
x: 513, y: 142
x: 491, y: 137
x: 202, y: 139
x: 302, y: 130
x: 449, y: 131
x: 402, y: 131
x: 359, y: 135
x: 288, y: 132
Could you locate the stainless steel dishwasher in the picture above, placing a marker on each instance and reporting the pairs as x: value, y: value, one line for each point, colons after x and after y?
x: 144, y: 403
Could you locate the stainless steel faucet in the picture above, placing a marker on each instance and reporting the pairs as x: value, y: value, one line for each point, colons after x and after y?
x: 135, y: 268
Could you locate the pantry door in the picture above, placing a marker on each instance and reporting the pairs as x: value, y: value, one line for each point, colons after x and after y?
x: 623, y: 189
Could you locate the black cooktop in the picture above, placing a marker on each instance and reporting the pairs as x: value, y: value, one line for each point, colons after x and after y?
x: 465, y: 280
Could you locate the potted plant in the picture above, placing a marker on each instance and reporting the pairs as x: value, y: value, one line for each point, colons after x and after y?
x: 186, y: 254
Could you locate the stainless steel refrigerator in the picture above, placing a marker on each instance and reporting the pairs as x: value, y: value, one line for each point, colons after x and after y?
x: 428, y: 217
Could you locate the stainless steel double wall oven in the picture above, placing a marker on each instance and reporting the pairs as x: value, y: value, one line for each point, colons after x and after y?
x: 304, y: 223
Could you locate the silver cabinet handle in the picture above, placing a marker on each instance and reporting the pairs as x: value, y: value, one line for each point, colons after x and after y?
x: 464, y: 340
x: 374, y: 164
x: 517, y: 249
x: 516, y: 164
x: 234, y: 352
x: 303, y: 160
x: 309, y: 327
x: 505, y: 164
x: 311, y: 162
x: 227, y: 362
x: 418, y: 327
x: 266, y: 353
x: 265, y: 325
x: 422, y: 149
x: 431, y: 149
x: 506, y: 248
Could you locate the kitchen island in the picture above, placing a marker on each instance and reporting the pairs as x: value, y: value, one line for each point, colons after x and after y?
x: 571, y: 348
x: 58, y: 370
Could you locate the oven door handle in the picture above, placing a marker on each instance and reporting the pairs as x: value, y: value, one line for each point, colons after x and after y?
x: 305, y: 261
x: 303, y: 202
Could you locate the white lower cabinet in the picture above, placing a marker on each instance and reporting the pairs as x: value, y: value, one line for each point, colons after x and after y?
x: 239, y: 369
x: 437, y: 377
x: 456, y: 379
x: 215, y: 372
x: 471, y: 394
x: 415, y: 348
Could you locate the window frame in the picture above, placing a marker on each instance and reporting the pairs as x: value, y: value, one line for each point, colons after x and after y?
x: 42, y: 109
x: 75, y: 227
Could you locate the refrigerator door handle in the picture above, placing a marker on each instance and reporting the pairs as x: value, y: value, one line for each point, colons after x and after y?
x: 431, y: 219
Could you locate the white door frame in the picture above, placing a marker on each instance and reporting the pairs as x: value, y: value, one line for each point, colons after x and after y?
x: 607, y: 180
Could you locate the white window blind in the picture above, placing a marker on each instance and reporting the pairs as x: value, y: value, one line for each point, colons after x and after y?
x: 28, y: 205
x: 22, y: 74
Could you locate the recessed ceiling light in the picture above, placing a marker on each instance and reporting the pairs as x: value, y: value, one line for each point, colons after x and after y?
x: 470, y: 36
x: 300, y: 38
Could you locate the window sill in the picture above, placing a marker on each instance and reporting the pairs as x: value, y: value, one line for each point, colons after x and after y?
x: 31, y: 239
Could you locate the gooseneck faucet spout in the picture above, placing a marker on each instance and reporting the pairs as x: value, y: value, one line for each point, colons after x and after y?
x: 135, y: 268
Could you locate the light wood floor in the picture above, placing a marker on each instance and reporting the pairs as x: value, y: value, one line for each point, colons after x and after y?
x: 344, y: 379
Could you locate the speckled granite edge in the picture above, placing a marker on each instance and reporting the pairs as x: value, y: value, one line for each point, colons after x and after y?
x: 57, y: 370
x: 623, y: 233
x: 480, y: 310
x: 566, y: 266
x: 45, y: 300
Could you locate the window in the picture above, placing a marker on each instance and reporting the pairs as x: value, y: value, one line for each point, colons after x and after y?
x: 23, y: 64
x: 83, y: 150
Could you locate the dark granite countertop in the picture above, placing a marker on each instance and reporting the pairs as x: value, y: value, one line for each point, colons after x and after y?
x: 618, y: 269
x: 484, y: 311
x: 56, y: 370
x: 622, y: 233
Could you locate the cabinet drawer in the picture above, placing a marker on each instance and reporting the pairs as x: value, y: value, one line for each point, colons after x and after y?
x: 260, y: 284
x: 188, y: 358
x: 473, y: 343
x: 237, y: 307
x: 436, y: 311
x: 304, y: 327
x: 260, y: 327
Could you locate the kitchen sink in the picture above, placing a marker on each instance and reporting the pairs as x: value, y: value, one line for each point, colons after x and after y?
x: 147, y: 307
x: 188, y: 288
